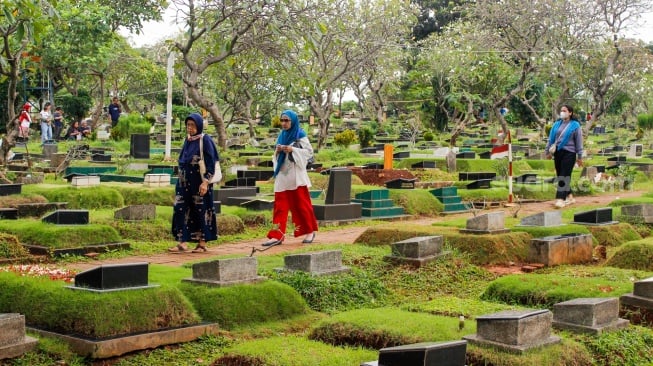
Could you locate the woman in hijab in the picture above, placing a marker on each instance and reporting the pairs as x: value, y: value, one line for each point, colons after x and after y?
x: 291, y: 183
x: 193, y: 217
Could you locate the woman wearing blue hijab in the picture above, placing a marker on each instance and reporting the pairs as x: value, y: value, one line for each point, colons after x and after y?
x: 291, y: 183
x: 193, y: 217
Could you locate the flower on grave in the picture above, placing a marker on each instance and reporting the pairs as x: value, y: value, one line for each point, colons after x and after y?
x: 35, y: 270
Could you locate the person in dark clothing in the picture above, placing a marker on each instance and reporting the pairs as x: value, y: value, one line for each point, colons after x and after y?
x: 114, y: 111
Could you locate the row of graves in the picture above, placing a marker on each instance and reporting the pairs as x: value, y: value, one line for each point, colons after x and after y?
x: 513, y: 331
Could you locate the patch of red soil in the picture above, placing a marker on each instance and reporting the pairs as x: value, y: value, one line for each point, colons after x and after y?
x: 378, y: 177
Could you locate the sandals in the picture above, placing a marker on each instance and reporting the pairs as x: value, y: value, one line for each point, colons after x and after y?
x: 309, y: 240
x: 199, y: 249
x: 272, y: 242
x: 179, y: 248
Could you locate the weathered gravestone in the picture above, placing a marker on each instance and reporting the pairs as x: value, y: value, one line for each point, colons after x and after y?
x: 316, y: 263
x: 451, y: 353
x: 67, y: 217
x: 545, y: 219
x: 514, y: 330
x: 113, y: 277
x: 588, y: 315
x: 635, y: 151
x: 226, y: 272
x: 156, y: 180
x: 338, y: 205
x: 81, y: 181
x: 589, y: 172
x: 642, y: 212
x: 13, y: 341
x: 136, y: 213
x: 490, y: 223
x: 49, y: 148
x: 642, y: 295
x: 599, y: 216
x: 561, y: 249
x: 416, y: 251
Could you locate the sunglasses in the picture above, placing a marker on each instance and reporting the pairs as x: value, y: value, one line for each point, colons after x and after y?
x: 285, y: 120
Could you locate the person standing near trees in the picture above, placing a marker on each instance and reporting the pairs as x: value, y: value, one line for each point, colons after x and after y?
x: 58, y: 123
x: 114, y: 111
x: 46, y: 123
x: 291, y: 183
x: 565, y: 145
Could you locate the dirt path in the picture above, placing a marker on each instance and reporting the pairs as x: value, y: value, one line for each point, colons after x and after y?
x: 338, y: 236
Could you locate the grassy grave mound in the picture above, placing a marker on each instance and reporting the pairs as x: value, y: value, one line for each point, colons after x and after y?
x: 11, y: 248
x: 540, y: 231
x: 19, y: 199
x: 614, y: 235
x: 567, y: 283
x: 240, y: 305
x: 568, y: 353
x: 417, y: 201
x: 295, y: 351
x: 387, y: 327
x: 456, y: 306
x: 634, y: 255
x: 34, y: 232
x: 482, y: 249
x: 86, y: 198
x: 139, y: 195
x: 630, y: 346
x: 46, y: 304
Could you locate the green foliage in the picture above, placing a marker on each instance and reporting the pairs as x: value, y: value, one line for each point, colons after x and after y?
x: 344, y: 138
x: 456, y: 306
x: 230, y: 224
x: 139, y: 195
x: 128, y: 125
x: 365, y: 136
x: 240, y: 305
x: 416, y: 201
x: 614, y: 235
x: 49, y: 306
x: 335, y: 293
x: 75, y: 106
x: 35, y: 232
x: 634, y: 255
x: 541, y: 231
x: 645, y: 121
x: 97, y: 197
x: 10, y: 247
x: 632, y: 346
x: 428, y: 136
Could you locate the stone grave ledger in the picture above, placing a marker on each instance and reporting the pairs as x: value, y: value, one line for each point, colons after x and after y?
x: 156, y: 180
x: 67, y: 217
x: 561, y: 249
x: 226, y: 272
x: 339, y: 188
x: 490, y: 223
x: 642, y: 295
x: 136, y: 213
x: 85, y: 181
x: 316, y: 263
x: 108, y: 277
x: 638, y: 213
x: 9, y: 189
x: 225, y: 194
x: 451, y: 353
x: 588, y: 315
x: 139, y: 147
x: 546, y: 219
x: 416, y: 251
x: 599, y: 216
x: 514, y: 330
x: 13, y: 341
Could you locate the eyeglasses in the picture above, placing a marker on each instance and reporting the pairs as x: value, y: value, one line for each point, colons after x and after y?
x: 285, y: 120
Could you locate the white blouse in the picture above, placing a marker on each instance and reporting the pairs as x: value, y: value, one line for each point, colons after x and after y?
x: 293, y: 174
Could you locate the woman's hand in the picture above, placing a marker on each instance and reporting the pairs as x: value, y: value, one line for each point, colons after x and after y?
x: 204, y: 187
x: 579, y: 162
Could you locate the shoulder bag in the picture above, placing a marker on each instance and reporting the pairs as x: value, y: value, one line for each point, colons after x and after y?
x: 217, y: 175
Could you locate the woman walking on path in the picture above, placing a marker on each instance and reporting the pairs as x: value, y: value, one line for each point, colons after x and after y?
x: 291, y: 183
x: 193, y: 217
x: 565, y: 145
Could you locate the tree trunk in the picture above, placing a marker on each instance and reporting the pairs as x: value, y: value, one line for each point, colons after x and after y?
x: 322, y: 109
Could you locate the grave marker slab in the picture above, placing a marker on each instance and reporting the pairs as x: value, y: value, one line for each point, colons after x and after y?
x: 85, y: 181
x: 561, y: 249
x: 416, y: 251
x: 67, y: 217
x: 136, y: 213
x: 9, y: 189
x: 588, y: 315
x: 316, y: 263
x: 451, y: 353
x: 13, y: 341
x: 545, y: 219
x: 401, y: 183
x: 424, y: 165
x: 642, y: 212
x: 226, y: 272
x: 113, y: 277
x: 9, y: 213
x: 642, y: 295
x: 490, y: 223
x: 258, y: 204
x: 635, y: 151
x: 514, y: 330
x: 479, y: 184
x: 599, y: 216
x: 139, y: 146
x: 225, y: 194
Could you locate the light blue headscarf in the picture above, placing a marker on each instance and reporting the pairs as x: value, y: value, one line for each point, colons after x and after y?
x: 287, y: 137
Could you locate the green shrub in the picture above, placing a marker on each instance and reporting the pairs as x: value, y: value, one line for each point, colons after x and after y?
x: 128, y: 125
x: 634, y: 255
x: 614, y: 235
x: 48, y: 305
x: 344, y: 138
x: 86, y: 198
x: 335, y: 293
x: 631, y: 346
x: 139, y: 195
x: 245, y: 304
x: 35, y: 232
x: 365, y: 136
x: 428, y: 136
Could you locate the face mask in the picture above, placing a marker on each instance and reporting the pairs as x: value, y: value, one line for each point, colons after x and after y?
x: 564, y: 115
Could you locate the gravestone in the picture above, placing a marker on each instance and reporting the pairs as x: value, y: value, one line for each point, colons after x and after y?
x: 100, y: 157
x: 9, y: 213
x: 113, y: 277
x: 451, y: 353
x: 561, y: 249
x: 642, y: 295
x: 338, y: 205
x: 401, y: 183
x: 136, y: 213
x: 451, y: 161
x: 589, y: 172
x: 9, y: 189
x: 424, y: 165
x: 490, y: 223
x: 85, y: 181
x: 67, y: 217
x: 226, y: 272
x: 260, y: 175
x: 635, y: 151
x: 588, y: 315
x: 266, y: 164
x: 401, y: 155
x: 258, y: 204
x: 368, y: 150
x: 373, y: 166
x: 546, y: 219
x: 225, y: 194
x: 156, y: 180
x: 463, y: 176
x: 514, y: 330
x: 217, y: 207
x: 642, y: 212
x: 13, y: 341
x: 599, y: 216
x: 479, y: 184
x: 374, y: 203
x: 241, y: 182
x: 416, y: 251
x: 49, y: 149
x: 316, y: 263
x: 139, y: 147
x: 38, y: 209
x: 466, y: 155
x: 527, y: 178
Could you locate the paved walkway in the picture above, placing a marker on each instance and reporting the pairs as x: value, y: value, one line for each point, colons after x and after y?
x: 346, y: 235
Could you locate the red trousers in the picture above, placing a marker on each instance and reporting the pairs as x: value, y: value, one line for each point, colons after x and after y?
x: 298, y: 202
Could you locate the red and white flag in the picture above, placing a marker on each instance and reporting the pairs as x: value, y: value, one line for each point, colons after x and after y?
x: 499, y: 152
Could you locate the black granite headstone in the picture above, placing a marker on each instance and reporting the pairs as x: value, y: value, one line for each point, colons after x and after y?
x: 401, y: 183
x: 266, y: 164
x: 479, y: 184
x: 241, y: 182
x: 67, y: 217
x: 373, y: 166
x: 424, y: 165
x: 425, y: 354
x: 217, y: 206
x: 620, y: 158
x: 401, y: 155
x: 527, y: 178
x: 260, y: 175
x: 339, y: 188
x: 9, y: 189
x: 113, y: 276
x: 139, y: 147
x: 466, y: 155
x: 9, y: 213
x: 100, y: 157
x: 597, y: 216
x: 463, y: 176
x: 368, y: 150
x: 485, y: 155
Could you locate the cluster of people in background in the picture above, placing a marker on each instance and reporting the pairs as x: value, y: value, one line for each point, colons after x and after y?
x: 51, y: 125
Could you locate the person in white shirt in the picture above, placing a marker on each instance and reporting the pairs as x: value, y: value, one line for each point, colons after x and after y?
x: 46, y: 123
x: 291, y: 183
